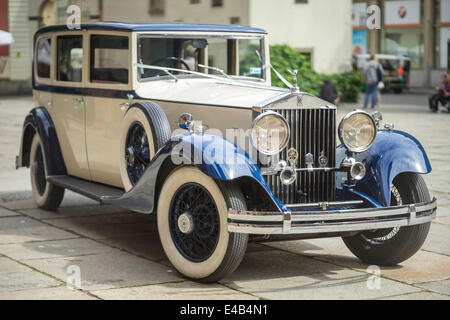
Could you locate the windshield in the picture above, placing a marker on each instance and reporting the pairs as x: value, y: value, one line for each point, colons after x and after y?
x: 216, y: 56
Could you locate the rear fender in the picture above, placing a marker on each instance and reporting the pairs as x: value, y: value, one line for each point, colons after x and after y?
x: 39, y: 121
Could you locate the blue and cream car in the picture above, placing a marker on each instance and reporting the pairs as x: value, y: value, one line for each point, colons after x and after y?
x: 180, y: 120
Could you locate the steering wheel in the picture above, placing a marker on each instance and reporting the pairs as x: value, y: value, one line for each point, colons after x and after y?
x: 173, y: 59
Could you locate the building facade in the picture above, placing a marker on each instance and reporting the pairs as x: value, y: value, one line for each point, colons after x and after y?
x: 419, y: 29
x: 329, y: 31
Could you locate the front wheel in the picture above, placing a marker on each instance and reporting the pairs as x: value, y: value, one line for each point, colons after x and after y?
x: 394, y: 245
x: 193, y: 228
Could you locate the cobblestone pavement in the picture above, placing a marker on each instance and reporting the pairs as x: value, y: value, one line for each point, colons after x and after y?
x: 118, y: 254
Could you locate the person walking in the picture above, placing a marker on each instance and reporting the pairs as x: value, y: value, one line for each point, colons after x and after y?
x: 370, y: 73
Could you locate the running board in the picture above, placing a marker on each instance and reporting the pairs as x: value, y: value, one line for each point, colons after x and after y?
x: 93, y: 190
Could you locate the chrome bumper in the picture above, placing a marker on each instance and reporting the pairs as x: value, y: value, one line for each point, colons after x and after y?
x: 311, y: 222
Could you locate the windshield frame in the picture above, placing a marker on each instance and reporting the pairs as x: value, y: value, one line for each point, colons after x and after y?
x: 192, y: 36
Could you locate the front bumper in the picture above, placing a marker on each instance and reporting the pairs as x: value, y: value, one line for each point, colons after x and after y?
x: 341, y: 220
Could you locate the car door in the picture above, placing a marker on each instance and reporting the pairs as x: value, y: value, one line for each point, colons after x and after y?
x: 68, y: 102
x: 109, y: 82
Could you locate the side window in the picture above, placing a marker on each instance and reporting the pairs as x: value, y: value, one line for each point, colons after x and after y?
x: 109, y: 59
x: 44, y: 59
x: 70, y: 58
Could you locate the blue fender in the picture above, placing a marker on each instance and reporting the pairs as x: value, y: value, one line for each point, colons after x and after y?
x: 393, y: 152
x: 38, y: 121
x: 213, y: 155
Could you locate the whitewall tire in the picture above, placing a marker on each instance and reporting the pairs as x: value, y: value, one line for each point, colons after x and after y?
x: 144, y: 130
x: 46, y: 195
x: 192, y: 225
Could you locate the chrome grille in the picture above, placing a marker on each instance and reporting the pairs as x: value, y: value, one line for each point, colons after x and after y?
x: 312, y: 131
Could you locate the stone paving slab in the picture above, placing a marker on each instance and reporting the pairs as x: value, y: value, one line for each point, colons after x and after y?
x: 277, y: 264
x: 144, y: 245
x: 56, y: 293
x: 68, y: 212
x: 7, y: 213
x: 442, y: 287
x: 438, y: 239
x: 186, y: 290
x: 419, y: 296
x: 113, y: 269
x: 423, y: 266
x: 22, y: 229
x: 71, y: 199
x: 15, y: 276
x: 107, y: 226
x: 443, y: 220
x: 53, y: 249
x: 336, y: 284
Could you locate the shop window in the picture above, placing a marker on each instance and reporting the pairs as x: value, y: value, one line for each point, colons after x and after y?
x: 109, y: 59
x: 44, y: 58
x: 70, y: 58
x: 406, y: 42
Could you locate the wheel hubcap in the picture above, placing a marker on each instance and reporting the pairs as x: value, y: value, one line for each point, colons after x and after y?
x: 194, y: 222
x: 185, y: 223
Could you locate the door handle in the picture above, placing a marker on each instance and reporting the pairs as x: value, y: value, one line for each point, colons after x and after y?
x: 79, y: 102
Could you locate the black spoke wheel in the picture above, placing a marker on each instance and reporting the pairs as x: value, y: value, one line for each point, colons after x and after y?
x: 46, y: 195
x: 192, y: 219
x: 39, y: 171
x: 394, y: 245
x: 194, y: 222
x: 137, y: 152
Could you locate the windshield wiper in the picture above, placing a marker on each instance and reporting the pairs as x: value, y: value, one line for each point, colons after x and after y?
x: 206, y: 75
x: 215, y: 69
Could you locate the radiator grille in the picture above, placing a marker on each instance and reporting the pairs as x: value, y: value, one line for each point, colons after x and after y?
x: 312, y: 131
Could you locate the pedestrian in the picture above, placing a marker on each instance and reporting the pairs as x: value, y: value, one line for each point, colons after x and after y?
x: 371, y: 74
x: 328, y: 92
x: 442, y: 94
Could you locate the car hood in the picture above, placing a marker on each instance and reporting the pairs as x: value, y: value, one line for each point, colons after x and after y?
x: 209, y: 91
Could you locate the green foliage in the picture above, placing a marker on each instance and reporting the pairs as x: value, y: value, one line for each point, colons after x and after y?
x: 283, y: 58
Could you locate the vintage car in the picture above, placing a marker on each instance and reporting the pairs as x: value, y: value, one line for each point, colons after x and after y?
x: 180, y: 120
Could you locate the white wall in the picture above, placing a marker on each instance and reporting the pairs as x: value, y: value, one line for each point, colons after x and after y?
x: 177, y: 10
x: 320, y: 26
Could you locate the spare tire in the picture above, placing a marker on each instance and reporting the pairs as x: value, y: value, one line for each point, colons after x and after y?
x: 145, y: 129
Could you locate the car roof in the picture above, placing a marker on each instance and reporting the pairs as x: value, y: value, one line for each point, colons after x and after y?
x: 155, y: 26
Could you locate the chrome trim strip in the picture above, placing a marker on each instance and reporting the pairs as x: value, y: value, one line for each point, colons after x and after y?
x: 325, y: 221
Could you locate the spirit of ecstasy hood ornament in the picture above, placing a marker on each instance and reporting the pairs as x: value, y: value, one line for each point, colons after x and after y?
x: 294, y: 87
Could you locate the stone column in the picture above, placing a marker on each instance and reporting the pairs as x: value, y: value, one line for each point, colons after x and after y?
x: 428, y: 41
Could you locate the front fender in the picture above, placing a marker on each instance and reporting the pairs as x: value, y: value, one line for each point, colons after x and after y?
x: 213, y: 155
x: 393, y: 152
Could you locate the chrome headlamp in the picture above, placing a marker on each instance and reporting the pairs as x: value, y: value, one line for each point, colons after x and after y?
x: 270, y: 133
x: 357, y: 131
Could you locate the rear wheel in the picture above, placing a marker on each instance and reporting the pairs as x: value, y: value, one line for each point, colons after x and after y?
x: 193, y: 228
x: 46, y: 195
x: 145, y: 129
x: 394, y: 245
